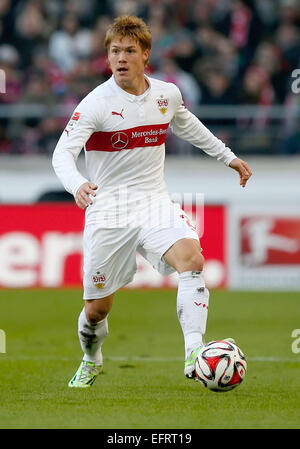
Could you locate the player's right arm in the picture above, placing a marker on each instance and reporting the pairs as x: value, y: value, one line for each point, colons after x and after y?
x: 78, y: 130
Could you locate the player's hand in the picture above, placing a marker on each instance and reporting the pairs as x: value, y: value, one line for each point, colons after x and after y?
x: 82, y: 197
x: 243, y: 169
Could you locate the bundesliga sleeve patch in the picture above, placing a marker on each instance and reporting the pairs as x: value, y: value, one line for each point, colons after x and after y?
x: 73, y: 122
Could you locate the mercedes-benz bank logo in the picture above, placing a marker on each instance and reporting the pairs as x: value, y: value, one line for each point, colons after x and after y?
x: 119, y: 140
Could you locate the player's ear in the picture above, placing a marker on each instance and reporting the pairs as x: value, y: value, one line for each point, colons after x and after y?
x: 108, y: 56
x: 107, y: 59
x: 146, y: 56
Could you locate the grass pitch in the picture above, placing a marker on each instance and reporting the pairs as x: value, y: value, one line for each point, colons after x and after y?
x: 142, y: 385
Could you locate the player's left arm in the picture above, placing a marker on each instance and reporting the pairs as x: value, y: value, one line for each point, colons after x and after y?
x: 243, y: 170
x: 186, y: 125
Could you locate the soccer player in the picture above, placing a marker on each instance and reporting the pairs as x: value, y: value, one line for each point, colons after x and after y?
x: 122, y: 126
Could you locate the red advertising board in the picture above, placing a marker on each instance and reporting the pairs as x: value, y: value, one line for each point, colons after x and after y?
x: 270, y: 240
x: 41, y: 246
x: 264, y: 250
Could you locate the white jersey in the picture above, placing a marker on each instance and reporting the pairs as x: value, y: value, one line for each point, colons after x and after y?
x: 123, y: 136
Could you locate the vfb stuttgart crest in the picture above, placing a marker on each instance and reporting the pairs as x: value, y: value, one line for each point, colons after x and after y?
x: 99, y: 280
x: 162, y: 104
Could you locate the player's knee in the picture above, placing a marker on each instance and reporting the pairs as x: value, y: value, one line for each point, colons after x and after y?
x: 194, y: 262
x: 97, y: 309
x: 95, y: 315
x: 197, y: 261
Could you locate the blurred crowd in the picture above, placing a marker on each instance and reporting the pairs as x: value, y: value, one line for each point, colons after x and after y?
x: 218, y: 52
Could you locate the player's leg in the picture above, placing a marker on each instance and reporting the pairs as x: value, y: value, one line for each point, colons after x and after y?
x: 108, y: 266
x: 192, y: 296
x: 92, y: 331
x: 175, y: 246
x: 93, y: 327
x: 185, y: 255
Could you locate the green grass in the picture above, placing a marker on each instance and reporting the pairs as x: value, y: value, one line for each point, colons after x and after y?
x: 143, y: 384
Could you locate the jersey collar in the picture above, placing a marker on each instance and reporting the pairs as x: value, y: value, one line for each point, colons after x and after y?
x: 131, y: 97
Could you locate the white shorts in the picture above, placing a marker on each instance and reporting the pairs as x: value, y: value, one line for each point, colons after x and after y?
x: 110, y: 253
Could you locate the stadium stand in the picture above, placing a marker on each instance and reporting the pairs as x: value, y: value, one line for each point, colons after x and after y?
x: 234, y: 61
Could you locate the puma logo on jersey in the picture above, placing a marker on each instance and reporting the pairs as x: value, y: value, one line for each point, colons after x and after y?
x: 118, y: 113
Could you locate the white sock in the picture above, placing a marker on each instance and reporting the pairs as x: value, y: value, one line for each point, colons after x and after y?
x: 192, y: 308
x: 91, y: 337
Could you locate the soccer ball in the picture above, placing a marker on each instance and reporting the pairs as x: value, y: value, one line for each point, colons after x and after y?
x: 220, y: 366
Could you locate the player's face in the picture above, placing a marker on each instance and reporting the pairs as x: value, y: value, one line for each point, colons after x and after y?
x: 127, y: 61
